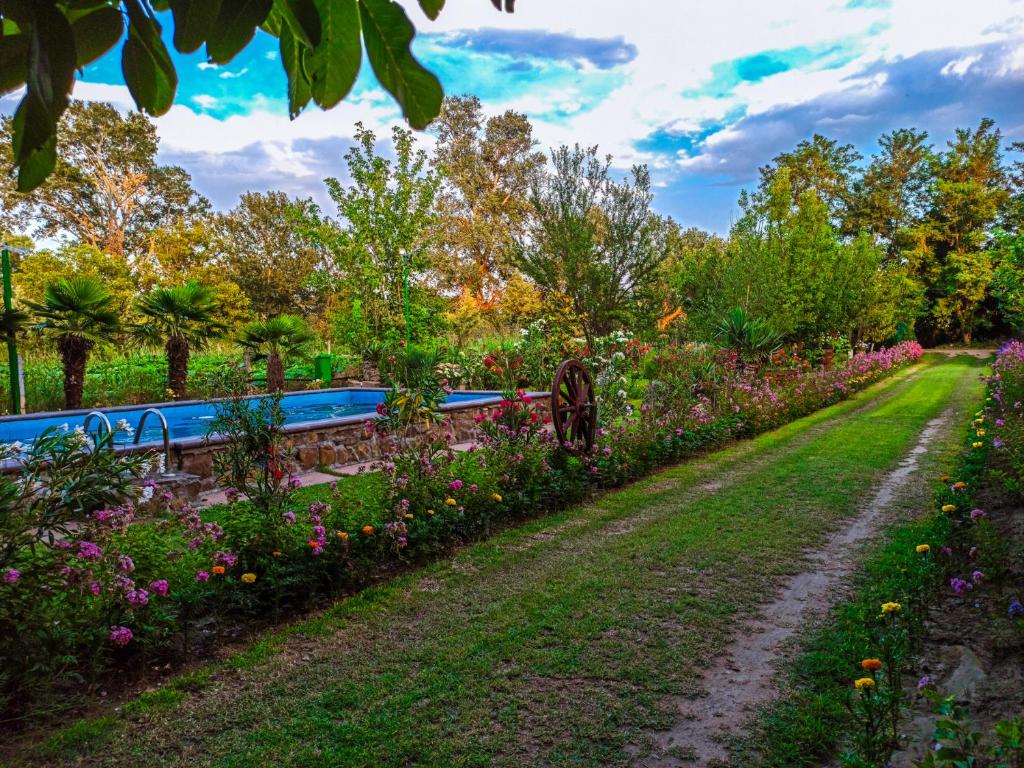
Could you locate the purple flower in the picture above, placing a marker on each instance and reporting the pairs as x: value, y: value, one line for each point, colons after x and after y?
x: 977, y: 513
x: 11, y: 575
x: 121, y: 636
x: 160, y: 586
x: 89, y: 551
x: 126, y: 563
x: 137, y: 597
x: 1016, y: 610
x: 977, y: 577
x: 455, y: 485
x: 289, y: 517
x: 998, y: 443
x: 924, y: 682
x: 227, y: 559
x: 202, y: 576
x: 959, y: 586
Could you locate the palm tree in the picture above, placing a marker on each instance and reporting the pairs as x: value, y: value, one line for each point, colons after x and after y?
x: 183, y: 318
x: 273, y: 340
x: 753, y: 339
x: 77, y: 312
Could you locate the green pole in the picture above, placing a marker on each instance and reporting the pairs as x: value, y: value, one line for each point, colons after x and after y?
x: 12, y: 347
x: 405, y: 281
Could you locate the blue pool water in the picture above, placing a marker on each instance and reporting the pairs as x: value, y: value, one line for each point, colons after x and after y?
x: 187, y: 420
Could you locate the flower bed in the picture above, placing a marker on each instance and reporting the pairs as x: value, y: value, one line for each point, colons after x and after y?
x: 113, y: 591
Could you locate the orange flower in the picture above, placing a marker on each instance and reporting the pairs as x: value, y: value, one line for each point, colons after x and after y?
x: 368, y: 530
x: 342, y: 535
x: 275, y: 553
x: 218, y: 570
x: 871, y: 665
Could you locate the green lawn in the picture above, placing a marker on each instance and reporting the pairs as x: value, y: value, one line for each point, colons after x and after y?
x: 555, y: 643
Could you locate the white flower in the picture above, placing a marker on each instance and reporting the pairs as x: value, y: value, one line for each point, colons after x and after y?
x: 123, y: 426
x: 622, y: 394
x: 161, y: 464
x: 147, y: 494
x: 64, y: 427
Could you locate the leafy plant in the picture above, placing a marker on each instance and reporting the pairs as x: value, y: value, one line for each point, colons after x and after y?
x: 274, y: 340
x: 753, y: 339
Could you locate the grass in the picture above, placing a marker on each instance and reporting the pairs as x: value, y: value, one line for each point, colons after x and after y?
x: 558, y: 642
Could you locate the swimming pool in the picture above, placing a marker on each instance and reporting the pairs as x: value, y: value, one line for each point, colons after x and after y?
x: 191, y: 419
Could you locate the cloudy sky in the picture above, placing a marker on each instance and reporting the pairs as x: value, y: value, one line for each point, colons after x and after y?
x: 703, y: 92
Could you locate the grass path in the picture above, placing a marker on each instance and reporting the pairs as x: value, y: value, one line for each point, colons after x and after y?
x: 561, y: 642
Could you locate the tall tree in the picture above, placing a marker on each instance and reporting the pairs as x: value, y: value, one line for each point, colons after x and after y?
x: 184, y: 318
x: 820, y: 165
x: 486, y: 166
x: 591, y: 238
x: 274, y: 266
x: 970, y: 190
x: 78, y: 312
x: 107, y: 189
x: 388, y: 231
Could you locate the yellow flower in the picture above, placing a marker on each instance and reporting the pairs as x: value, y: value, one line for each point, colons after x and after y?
x: 949, y: 507
x: 248, y: 578
x: 409, y: 515
x: 980, y: 433
x: 497, y: 497
x: 980, y: 420
x: 891, y: 608
x: 430, y: 512
x: 922, y: 549
x: 450, y: 501
x: 343, y: 535
x: 977, y: 444
x: 368, y: 530
x: 871, y: 665
x: 864, y: 682
x: 275, y: 553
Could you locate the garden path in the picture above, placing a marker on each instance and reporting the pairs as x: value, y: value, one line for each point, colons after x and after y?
x: 570, y: 640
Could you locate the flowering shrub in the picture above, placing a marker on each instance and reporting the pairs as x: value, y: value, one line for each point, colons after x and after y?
x: 1006, y: 427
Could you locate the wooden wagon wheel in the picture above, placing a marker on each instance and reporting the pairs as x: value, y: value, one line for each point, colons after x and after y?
x: 574, y: 405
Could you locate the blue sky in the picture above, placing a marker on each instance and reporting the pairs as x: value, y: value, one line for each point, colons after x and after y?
x: 704, y: 93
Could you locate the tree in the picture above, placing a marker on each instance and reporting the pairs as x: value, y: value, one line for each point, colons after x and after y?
x: 970, y: 190
x: 274, y: 340
x: 78, y: 312
x: 266, y: 256
x: 36, y: 270
x: 46, y: 41
x: 388, y: 234
x: 1008, y: 281
x: 591, y: 238
x: 107, y: 190
x: 184, y: 318
x: 821, y: 165
x: 486, y: 168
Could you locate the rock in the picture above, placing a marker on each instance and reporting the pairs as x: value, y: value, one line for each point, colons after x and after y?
x: 967, y: 675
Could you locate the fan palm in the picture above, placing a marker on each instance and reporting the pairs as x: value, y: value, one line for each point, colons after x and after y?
x: 273, y: 340
x: 78, y: 312
x: 753, y: 339
x: 183, y: 318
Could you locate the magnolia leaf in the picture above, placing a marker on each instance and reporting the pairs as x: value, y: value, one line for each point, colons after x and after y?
x: 432, y: 8
x: 303, y: 17
x: 234, y: 28
x: 333, y: 64
x: 13, y: 61
x: 388, y: 34
x: 96, y: 33
x: 292, y: 53
x: 148, y: 70
x: 193, y: 22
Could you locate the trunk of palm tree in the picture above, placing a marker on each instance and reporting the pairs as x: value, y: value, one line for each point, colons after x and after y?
x: 74, y: 352
x: 275, y: 372
x: 177, y: 367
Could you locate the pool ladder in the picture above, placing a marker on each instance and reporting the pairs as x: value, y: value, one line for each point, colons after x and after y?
x: 105, y: 424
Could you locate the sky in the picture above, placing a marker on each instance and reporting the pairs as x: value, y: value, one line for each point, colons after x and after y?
x: 702, y: 92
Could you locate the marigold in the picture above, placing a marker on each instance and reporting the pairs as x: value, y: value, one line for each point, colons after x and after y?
x: 218, y: 570
x: 977, y: 444
x: 450, y: 501
x: 343, y: 535
x: 980, y: 433
x: 368, y: 530
x: 871, y: 665
x: 430, y: 511
x: 922, y: 549
x: 949, y: 507
x: 409, y: 515
x: 864, y: 682
x: 944, y: 478
x: 959, y: 484
x: 248, y: 578
x: 497, y: 497
x: 891, y: 607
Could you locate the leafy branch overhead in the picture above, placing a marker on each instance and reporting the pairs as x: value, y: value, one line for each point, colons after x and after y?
x: 44, y: 42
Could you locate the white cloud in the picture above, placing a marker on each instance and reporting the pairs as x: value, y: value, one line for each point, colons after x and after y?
x: 960, y: 67
x: 231, y: 75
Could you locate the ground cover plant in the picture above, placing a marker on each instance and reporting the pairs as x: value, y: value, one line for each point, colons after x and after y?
x: 277, y: 550
x: 540, y: 619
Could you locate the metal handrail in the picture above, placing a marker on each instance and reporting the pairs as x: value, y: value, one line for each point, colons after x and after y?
x: 167, y: 438
x: 104, y: 420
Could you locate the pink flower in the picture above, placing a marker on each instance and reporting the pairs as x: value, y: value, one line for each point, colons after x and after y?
x: 95, y: 588
x: 977, y: 513
x: 89, y: 551
x: 121, y: 636
x: 160, y: 586
x: 202, y: 576
x: 455, y: 485
x: 11, y: 575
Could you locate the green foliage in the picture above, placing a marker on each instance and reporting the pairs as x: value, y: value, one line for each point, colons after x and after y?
x: 321, y: 48
x: 276, y: 340
x: 753, y: 339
